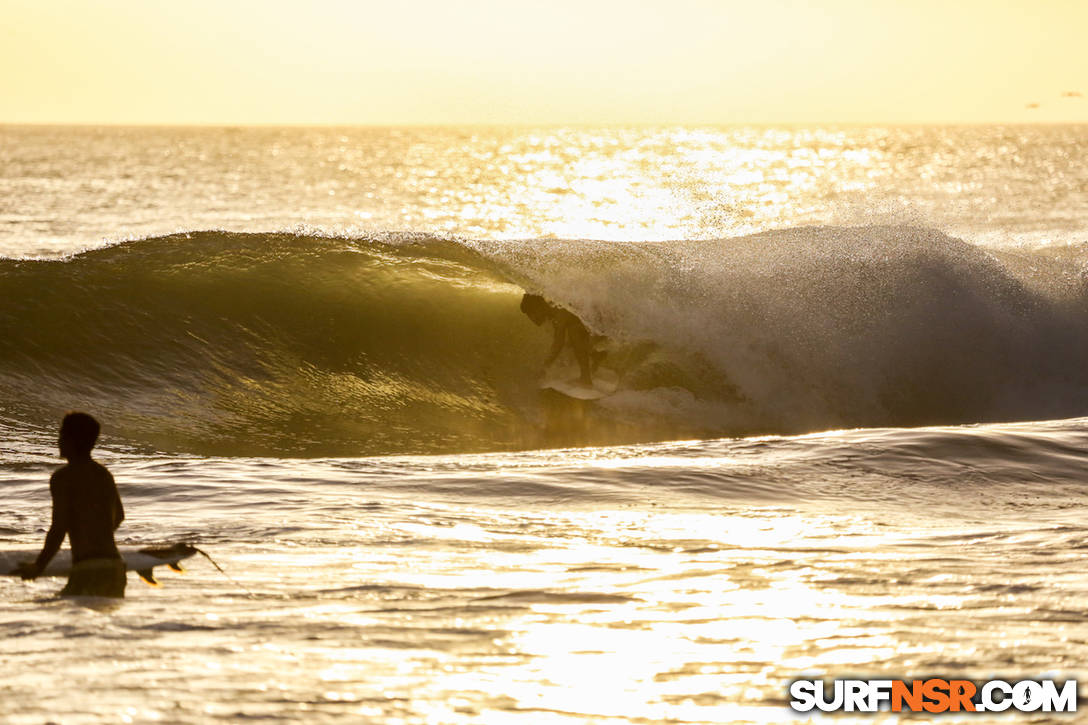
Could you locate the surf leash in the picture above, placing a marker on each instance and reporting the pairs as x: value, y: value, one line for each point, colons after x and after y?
x: 224, y: 573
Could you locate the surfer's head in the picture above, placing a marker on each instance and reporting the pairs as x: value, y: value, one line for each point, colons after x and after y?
x: 78, y: 434
x: 536, y: 307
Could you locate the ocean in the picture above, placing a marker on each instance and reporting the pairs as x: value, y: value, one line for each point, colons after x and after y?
x: 850, y: 436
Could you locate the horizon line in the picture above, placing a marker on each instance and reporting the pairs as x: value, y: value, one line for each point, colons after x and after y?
x: 527, y: 124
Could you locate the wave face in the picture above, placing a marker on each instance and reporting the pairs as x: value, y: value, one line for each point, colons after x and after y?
x: 219, y: 343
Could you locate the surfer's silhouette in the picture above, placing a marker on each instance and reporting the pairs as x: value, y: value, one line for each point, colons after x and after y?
x: 86, y: 508
x: 569, y: 330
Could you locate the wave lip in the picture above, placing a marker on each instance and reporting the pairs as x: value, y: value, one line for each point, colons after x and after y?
x: 224, y: 343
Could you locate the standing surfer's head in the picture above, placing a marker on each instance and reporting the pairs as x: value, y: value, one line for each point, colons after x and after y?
x: 78, y: 434
x: 536, y: 307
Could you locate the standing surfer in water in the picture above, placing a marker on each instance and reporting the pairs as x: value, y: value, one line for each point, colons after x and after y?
x: 568, y: 330
x: 86, y: 508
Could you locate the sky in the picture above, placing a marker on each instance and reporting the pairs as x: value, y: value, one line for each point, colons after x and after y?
x: 542, y: 61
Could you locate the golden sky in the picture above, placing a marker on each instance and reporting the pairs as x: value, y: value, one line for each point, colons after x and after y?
x: 542, y: 61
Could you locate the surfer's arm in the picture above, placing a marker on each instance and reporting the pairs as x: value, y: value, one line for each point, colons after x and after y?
x: 579, y: 339
x: 118, y: 508
x: 58, y: 529
x: 558, y: 341
x: 581, y: 354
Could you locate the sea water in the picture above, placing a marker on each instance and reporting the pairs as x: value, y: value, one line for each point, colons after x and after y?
x: 847, y: 441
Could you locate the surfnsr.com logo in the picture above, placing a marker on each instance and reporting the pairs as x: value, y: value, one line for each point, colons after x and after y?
x: 933, y: 695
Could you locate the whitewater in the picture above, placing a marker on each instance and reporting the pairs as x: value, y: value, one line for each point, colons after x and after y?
x: 849, y: 437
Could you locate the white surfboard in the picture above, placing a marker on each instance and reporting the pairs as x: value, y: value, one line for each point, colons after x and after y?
x: 142, y: 561
x: 605, y: 382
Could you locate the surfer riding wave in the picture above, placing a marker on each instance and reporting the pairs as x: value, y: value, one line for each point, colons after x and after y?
x: 568, y: 330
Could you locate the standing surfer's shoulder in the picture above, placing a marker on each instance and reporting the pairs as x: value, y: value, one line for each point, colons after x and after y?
x: 60, y: 477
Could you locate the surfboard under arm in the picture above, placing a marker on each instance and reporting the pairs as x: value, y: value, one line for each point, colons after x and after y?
x: 142, y: 560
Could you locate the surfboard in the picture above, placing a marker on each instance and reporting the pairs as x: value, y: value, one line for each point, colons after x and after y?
x: 605, y: 382
x: 142, y: 561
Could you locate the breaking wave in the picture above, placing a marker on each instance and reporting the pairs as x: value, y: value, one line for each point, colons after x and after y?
x: 220, y: 343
